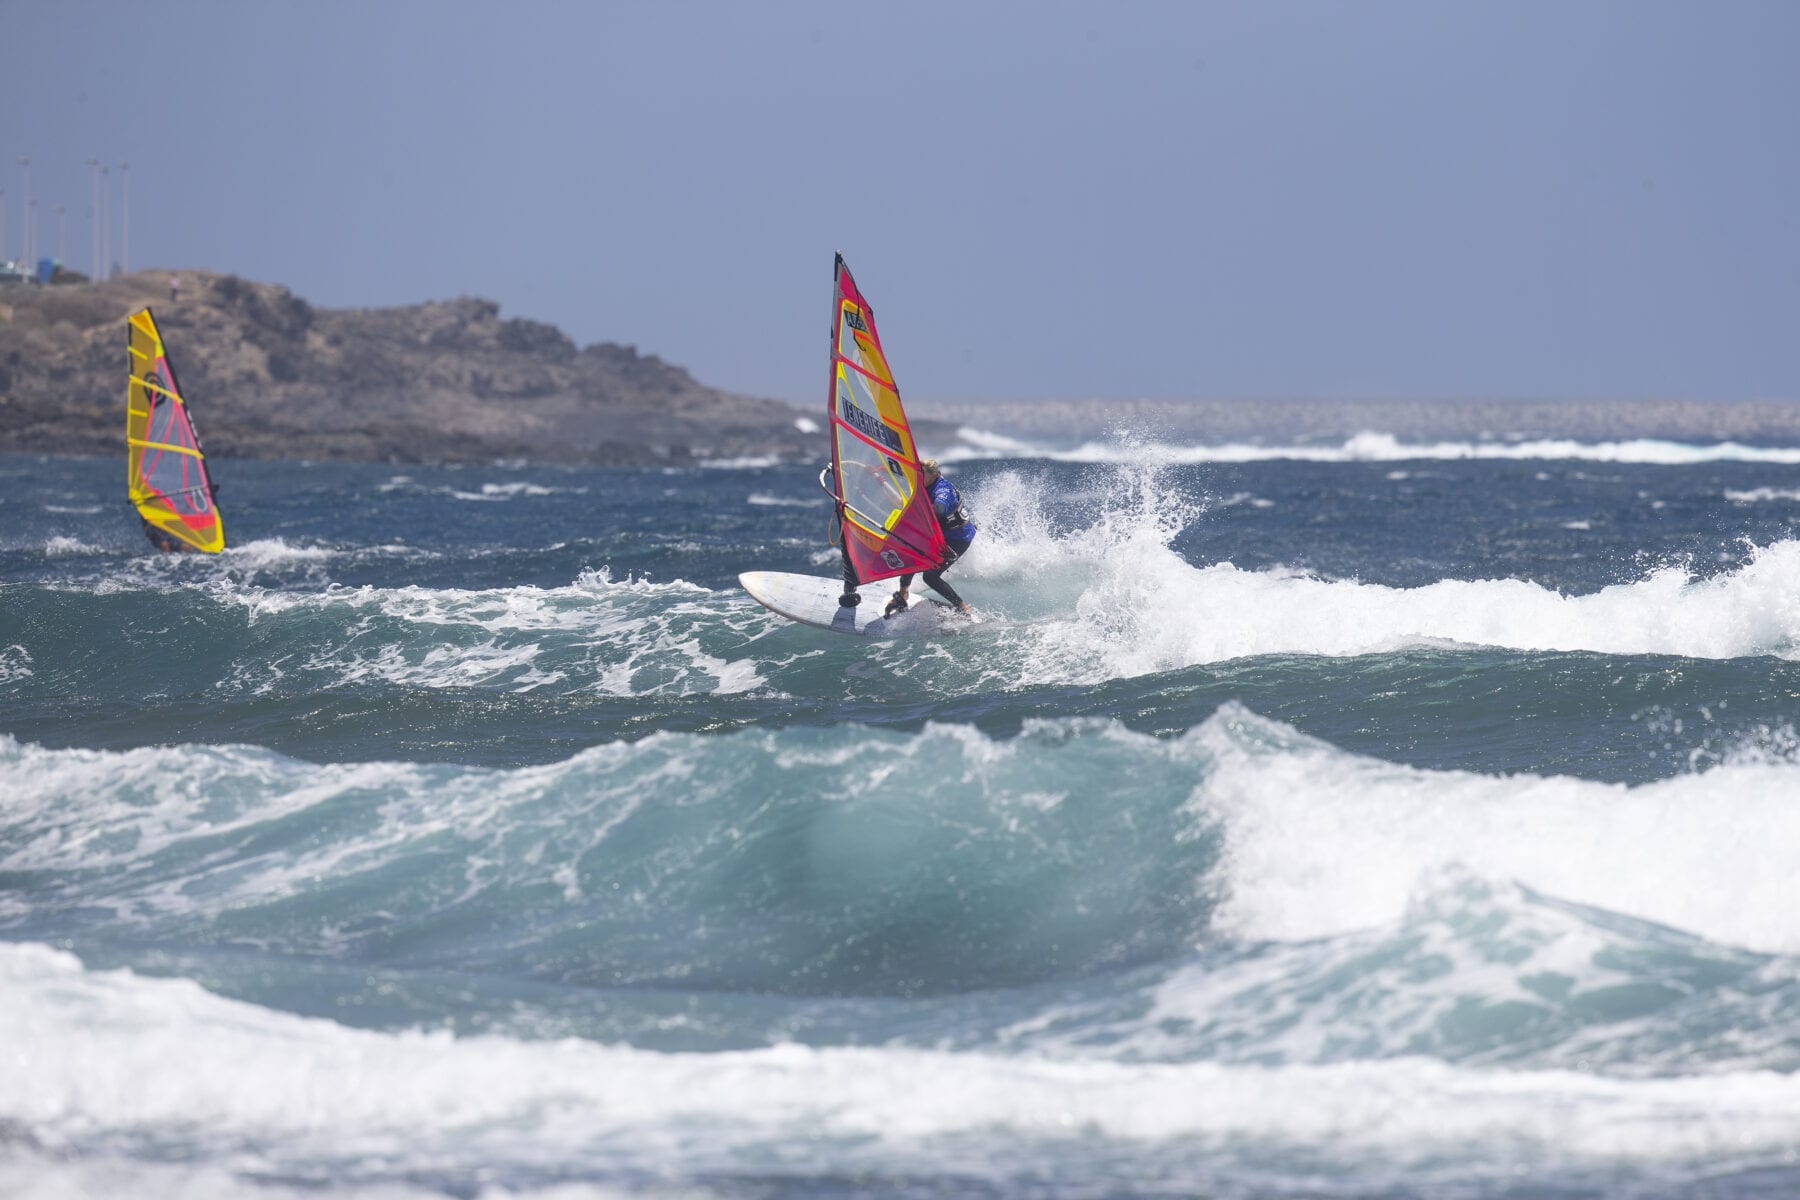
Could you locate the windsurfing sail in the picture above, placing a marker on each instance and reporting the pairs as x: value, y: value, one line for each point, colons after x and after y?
x: 165, y: 468
x: 883, y: 507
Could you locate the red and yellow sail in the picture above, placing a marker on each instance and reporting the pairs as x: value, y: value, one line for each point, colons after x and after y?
x: 888, y: 525
x: 165, y: 468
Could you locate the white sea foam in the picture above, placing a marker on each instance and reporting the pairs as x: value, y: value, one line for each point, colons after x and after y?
x: 754, y: 462
x: 487, y: 491
x: 83, y: 510
x: 1111, y: 598
x: 618, y: 637
x: 106, y: 808
x: 57, y: 547
x: 769, y: 501
x: 980, y: 443
x: 266, y: 553
x: 109, y: 1059
x: 26, y: 1175
x: 1320, y: 841
x: 1761, y: 495
x: 508, y: 491
x: 1384, y: 447
x: 1477, y: 972
x: 1237, y: 499
x: 15, y: 664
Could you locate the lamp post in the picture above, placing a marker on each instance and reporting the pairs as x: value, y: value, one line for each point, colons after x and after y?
x: 125, y: 248
x: 94, y: 223
x: 62, y: 236
x: 105, y: 222
x: 31, y: 235
x: 25, y: 162
x: 2, y: 225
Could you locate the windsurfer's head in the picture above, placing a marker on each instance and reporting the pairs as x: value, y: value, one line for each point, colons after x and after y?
x: 931, y: 469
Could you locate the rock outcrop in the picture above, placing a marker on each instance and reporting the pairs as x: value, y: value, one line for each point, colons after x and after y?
x: 270, y: 375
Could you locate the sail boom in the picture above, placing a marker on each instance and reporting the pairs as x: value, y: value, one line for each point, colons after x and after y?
x: 164, y: 446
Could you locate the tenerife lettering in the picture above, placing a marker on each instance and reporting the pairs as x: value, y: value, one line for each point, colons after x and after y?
x: 873, y: 428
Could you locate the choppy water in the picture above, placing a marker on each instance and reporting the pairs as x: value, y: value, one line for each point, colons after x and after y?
x: 1373, y: 821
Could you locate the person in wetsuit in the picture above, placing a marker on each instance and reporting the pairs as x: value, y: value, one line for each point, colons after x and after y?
x: 959, y: 532
x: 162, y: 541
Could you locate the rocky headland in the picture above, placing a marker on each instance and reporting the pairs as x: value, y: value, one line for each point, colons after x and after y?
x: 271, y: 376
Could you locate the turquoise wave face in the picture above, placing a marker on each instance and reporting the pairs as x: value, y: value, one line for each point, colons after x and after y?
x: 810, y: 862
x: 1240, y: 893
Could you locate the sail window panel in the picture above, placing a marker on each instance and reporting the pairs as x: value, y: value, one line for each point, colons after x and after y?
x: 166, y: 422
x: 849, y: 318
x: 174, y: 474
x: 874, y: 486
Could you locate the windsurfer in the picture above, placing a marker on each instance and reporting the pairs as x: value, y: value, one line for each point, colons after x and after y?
x: 959, y: 532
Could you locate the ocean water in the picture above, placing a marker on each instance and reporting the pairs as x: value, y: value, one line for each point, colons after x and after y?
x: 1344, y: 821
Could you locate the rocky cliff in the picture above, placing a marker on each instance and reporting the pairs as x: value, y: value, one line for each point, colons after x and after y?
x: 270, y: 375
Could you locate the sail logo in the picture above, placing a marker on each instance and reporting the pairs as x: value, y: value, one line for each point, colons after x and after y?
x: 873, y: 428
x: 891, y: 559
x: 854, y: 320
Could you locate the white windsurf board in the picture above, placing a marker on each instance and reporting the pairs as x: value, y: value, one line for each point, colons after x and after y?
x: 813, y: 600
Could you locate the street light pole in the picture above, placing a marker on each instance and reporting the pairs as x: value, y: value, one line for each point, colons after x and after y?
x: 125, y: 250
x: 31, y: 235
x: 105, y: 223
x: 62, y: 236
x: 26, y: 163
x: 2, y: 225
x: 94, y: 225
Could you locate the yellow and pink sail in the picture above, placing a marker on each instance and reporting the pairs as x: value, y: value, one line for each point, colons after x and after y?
x: 884, y: 509
x: 165, y: 468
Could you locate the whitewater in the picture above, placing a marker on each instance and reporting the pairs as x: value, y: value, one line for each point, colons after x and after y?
x: 1357, y: 820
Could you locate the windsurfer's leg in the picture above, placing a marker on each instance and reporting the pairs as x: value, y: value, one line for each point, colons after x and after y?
x: 935, y: 581
x: 850, y: 598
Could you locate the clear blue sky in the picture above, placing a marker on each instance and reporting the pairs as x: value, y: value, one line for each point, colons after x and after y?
x: 1118, y: 200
